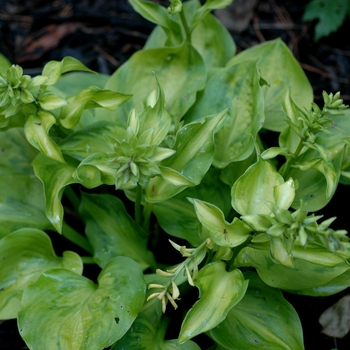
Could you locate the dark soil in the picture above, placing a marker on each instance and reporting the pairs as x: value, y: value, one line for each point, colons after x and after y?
x: 103, y: 34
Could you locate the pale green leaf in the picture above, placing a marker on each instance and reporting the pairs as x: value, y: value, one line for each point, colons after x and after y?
x: 314, y: 266
x: 91, y: 139
x: 219, y: 292
x: 54, y: 176
x: 158, y: 14
x: 207, y: 7
x: 236, y: 88
x: 112, y: 232
x: 194, y: 148
x: 54, y: 69
x: 24, y: 255
x: 316, y: 185
x: 73, y: 82
x: 186, y: 225
x: 284, y: 194
x: 37, y: 129
x: 218, y: 229
x: 262, y: 319
x: 156, y: 117
x: 91, y: 97
x: 136, y: 77
x: 65, y: 311
x: 51, y: 101
x: 208, y: 33
x: 94, y: 170
x: 254, y: 188
x: 281, y: 70
x: 22, y: 201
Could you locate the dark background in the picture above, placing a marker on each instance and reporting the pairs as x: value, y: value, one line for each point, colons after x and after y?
x: 104, y: 34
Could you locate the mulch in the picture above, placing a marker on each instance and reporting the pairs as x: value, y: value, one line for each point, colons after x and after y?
x: 103, y: 34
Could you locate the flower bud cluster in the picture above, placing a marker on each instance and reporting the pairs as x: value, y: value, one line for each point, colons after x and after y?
x: 16, y: 90
x: 136, y: 157
x: 284, y: 228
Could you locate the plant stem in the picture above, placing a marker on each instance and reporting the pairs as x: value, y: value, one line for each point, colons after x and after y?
x: 147, y: 211
x: 187, y: 29
x: 76, y: 237
x: 138, y: 204
x: 287, y: 165
x: 72, y: 197
x: 88, y: 260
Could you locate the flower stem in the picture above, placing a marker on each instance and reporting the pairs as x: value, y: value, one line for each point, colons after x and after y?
x: 138, y: 204
x: 76, y: 237
x: 88, y: 260
x: 147, y: 211
x: 287, y: 165
x: 72, y: 197
x: 187, y: 29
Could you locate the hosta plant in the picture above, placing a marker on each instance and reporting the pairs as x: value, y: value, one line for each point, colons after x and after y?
x: 190, y: 183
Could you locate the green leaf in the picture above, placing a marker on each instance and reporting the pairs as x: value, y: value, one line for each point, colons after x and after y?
x: 22, y: 201
x: 318, y: 183
x: 219, y: 292
x: 281, y: 70
x: 91, y: 139
x: 67, y: 311
x: 37, y: 129
x: 314, y: 266
x: 73, y: 82
x: 236, y: 88
x: 159, y: 15
x: 218, y: 229
x: 24, y: 255
x: 54, y: 176
x: 262, y: 319
x: 254, y: 188
x: 331, y: 15
x: 207, y: 7
x: 51, y: 101
x: 144, y: 335
x: 112, y: 232
x: 186, y: 225
x: 54, y: 69
x: 334, y: 286
x: 209, y: 33
x: 136, y: 77
x: 156, y: 118
x: 194, y: 148
x: 91, y: 97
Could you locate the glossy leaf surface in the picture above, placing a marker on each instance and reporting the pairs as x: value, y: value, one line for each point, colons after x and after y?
x: 112, y: 232
x: 136, y: 77
x: 219, y: 292
x: 22, y: 201
x: 54, y: 176
x: 194, y: 148
x: 223, y: 233
x: 262, y: 319
x: 313, y: 267
x: 177, y: 215
x: 280, y: 69
x: 25, y: 254
x: 67, y: 311
x: 237, y: 88
x: 254, y: 188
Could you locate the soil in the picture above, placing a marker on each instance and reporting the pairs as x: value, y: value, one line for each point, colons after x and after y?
x: 103, y: 34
